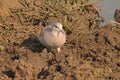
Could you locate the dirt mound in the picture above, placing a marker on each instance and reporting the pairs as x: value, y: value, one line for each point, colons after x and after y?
x: 90, y: 53
x: 86, y: 55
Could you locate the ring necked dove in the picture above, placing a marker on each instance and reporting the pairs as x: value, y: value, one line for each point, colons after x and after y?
x: 53, y: 36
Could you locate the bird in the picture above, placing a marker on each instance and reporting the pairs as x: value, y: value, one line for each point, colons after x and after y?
x: 53, y: 36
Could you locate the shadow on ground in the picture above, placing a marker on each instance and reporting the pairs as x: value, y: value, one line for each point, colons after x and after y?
x: 33, y: 43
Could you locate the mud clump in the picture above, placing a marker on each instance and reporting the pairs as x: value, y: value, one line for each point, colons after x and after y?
x: 90, y: 52
x: 117, y: 15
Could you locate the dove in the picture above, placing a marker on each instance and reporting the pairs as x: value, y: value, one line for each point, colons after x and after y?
x: 53, y: 36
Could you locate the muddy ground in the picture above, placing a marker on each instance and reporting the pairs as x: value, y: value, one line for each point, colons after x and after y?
x: 89, y: 53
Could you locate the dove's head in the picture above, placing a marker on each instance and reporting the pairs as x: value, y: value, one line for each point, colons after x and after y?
x: 57, y: 26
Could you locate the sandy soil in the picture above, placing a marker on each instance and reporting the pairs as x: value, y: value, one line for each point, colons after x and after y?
x: 89, y: 54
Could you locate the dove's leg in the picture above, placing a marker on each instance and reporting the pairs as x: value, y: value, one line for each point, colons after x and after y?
x: 49, y: 51
x: 58, y: 50
x: 58, y: 54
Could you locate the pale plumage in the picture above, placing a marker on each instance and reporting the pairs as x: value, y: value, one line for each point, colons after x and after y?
x: 53, y: 36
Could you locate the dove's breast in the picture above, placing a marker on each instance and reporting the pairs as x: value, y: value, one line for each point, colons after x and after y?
x: 52, y: 39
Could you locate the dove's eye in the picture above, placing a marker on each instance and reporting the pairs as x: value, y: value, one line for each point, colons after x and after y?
x: 56, y: 26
